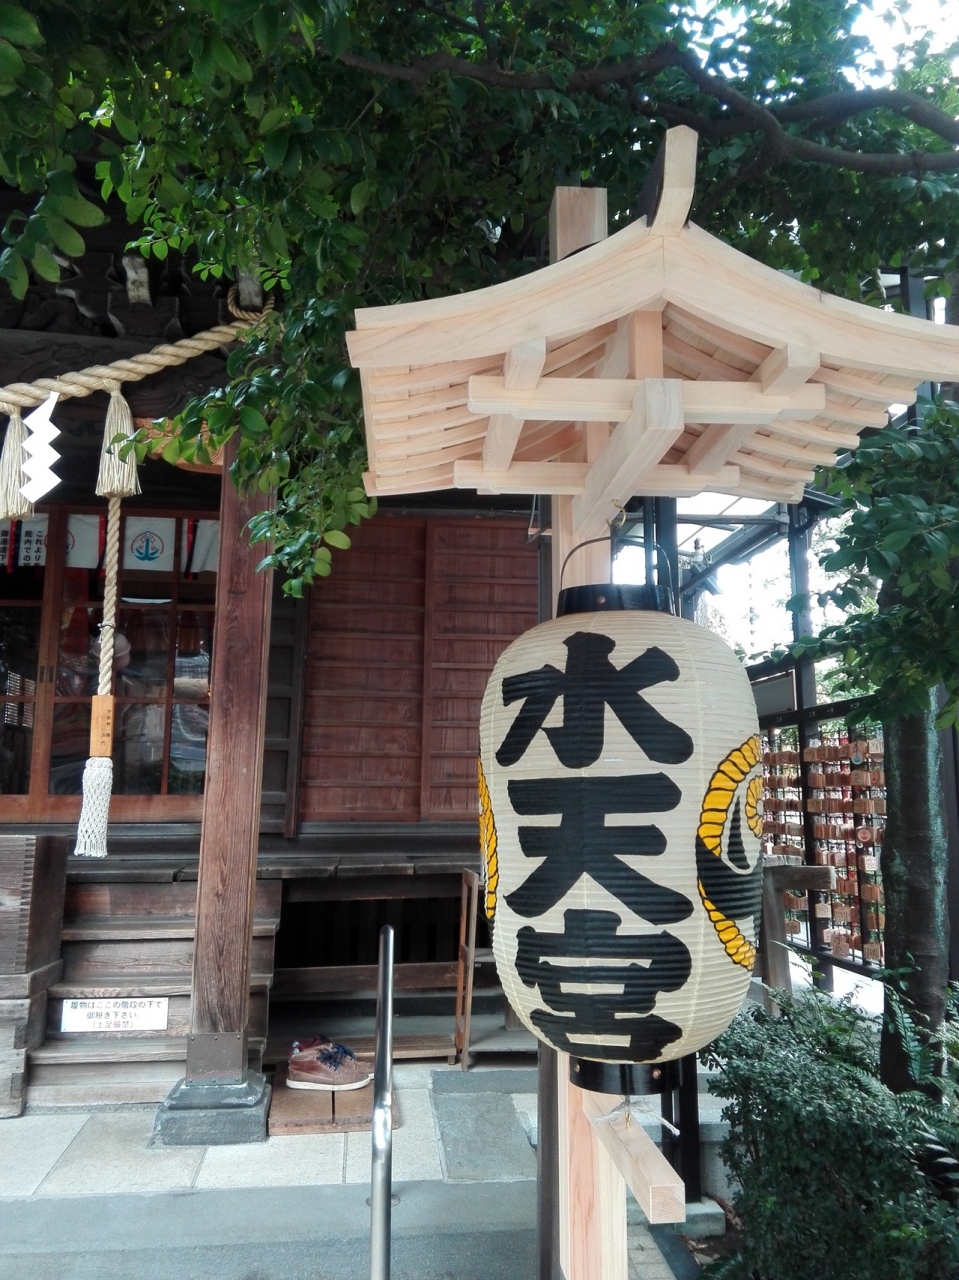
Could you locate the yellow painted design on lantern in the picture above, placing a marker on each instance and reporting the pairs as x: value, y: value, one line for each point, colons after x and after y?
x: 488, y: 844
x: 717, y: 802
x: 738, y: 948
x: 754, y: 806
x: 721, y: 790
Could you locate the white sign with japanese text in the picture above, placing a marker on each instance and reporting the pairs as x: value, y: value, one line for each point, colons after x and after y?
x: 129, y: 1014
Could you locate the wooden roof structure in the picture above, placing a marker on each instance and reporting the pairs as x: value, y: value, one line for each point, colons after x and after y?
x: 659, y: 361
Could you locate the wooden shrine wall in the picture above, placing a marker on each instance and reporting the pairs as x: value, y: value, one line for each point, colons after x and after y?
x: 401, y: 640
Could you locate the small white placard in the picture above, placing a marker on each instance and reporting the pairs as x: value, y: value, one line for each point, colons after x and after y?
x: 130, y: 1014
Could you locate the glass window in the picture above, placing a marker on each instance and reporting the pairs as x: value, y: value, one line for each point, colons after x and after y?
x: 21, y: 594
x: 162, y: 650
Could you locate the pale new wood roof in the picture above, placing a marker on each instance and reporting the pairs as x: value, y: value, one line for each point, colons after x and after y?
x: 659, y: 361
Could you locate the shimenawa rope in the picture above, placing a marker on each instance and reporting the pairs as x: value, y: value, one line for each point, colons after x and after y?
x: 117, y: 479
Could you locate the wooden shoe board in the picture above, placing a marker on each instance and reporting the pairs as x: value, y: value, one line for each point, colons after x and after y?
x: 320, y: 1110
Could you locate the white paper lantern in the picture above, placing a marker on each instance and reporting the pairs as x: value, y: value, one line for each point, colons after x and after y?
x: 621, y: 801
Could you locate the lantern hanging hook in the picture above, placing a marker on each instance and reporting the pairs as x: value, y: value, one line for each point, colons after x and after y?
x: 615, y: 524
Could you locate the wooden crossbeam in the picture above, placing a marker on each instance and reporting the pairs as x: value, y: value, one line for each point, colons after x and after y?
x: 658, y: 1188
x: 521, y: 371
x: 612, y: 400
x: 667, y: 481
x: 786, y: 368
x: 636, y: 445
x: 717, y: 444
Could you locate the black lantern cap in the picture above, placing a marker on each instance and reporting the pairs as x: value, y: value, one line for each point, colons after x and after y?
x: 614, y: 597
x: 626, y: 1079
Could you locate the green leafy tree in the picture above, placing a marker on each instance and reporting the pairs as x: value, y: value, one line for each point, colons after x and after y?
x: 355, y: 154
x: 898, y: 553
x: 835, y: 1174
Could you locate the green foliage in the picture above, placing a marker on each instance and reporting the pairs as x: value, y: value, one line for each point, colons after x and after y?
x: 901, y: 488
x: 828, y: 1159
x: 369, y: 154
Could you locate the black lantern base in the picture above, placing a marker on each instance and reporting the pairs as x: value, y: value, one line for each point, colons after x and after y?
x: 626, y: 1079
x: 613, y: 597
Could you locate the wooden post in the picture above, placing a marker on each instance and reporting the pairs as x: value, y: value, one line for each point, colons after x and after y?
x: 591, y: 1185
x: 32, y: 884
x: 220, y: 1100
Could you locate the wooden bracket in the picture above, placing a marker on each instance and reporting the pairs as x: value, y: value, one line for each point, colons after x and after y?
x: 786, y: 368
x: 521, y: 370
x: 774, y: 945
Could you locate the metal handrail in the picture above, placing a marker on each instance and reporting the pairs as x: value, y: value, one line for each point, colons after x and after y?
x: 381, y: 1192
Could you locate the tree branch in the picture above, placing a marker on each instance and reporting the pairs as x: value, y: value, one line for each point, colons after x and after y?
x: 748, y: 116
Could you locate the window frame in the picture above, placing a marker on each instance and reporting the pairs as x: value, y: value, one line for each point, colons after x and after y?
x: 37, y: 805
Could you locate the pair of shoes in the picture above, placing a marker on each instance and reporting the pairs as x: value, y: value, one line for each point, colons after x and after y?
x: 320, y: 1064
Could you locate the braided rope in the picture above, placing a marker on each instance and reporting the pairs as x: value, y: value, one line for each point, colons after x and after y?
x: 111, y: 576
x: 233, y: 304
x: 104, y: 377
x: 99, y: 377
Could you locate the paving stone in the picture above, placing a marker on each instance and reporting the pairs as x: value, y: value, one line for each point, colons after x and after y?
x: 486, y: 1080
x: 29, y: 1148
x: 482, y: 1137
x: 111, y: 1154
x: 310, y: 1159
x: 416, y: 1155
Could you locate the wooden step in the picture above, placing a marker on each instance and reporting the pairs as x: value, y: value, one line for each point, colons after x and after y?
x: 131, y: 988
x: 105, y: 1072
x: 145, y: 928
x: 119, y: 958
x: 293, y: 984
x: 107, y: 1049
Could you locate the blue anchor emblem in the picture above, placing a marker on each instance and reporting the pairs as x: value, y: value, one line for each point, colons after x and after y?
x: 147, y: 547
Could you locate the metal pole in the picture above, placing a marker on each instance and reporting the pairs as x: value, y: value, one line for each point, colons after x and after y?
x: 381, y: 1191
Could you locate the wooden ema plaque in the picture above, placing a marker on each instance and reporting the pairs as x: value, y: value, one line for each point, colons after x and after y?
x: 321, y: 1111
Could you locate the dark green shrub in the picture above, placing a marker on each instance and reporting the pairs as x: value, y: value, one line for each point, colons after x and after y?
x: 827, y: 1158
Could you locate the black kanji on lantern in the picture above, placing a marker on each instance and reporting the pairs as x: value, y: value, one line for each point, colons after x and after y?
x: 589, y: 683
x: 664, y: 966
x: 582, y: 843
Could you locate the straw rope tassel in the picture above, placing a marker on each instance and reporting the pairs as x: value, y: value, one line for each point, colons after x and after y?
x: 98, y: 771
x: 13, y: 505
x: 118, y: 475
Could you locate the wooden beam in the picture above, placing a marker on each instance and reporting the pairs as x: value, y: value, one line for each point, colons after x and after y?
x: 522, y: 369
x: 502, y: 437
x: 679, y: 181
x: 658, y: 1188
x: 774, y: 446
x: 886, y: 392
x: 717, y: 444
x: 634, y: 448
x: 220, y: 995
x: 774, y: 944
x: 786, y: 368
x: 612, y: 400
x: 522, y: 477
x: 814, y: 433
x: 577, y: 219
x: 672, y: 480
x: 524, y: 363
